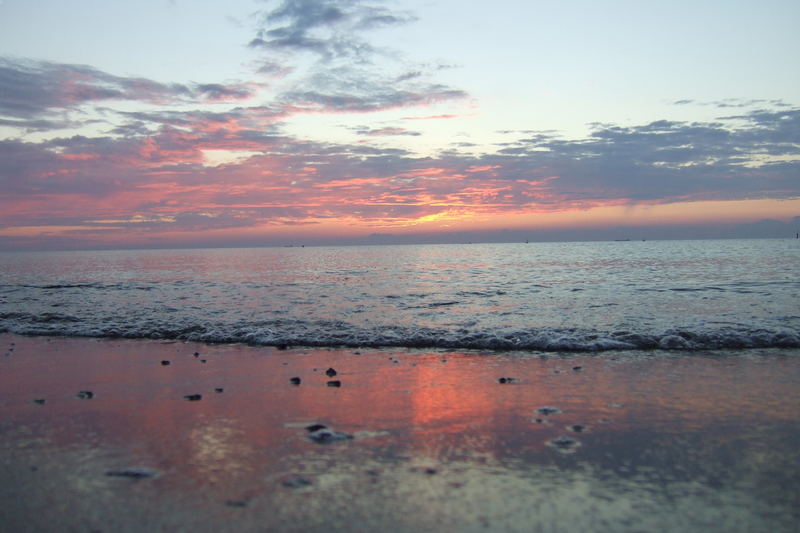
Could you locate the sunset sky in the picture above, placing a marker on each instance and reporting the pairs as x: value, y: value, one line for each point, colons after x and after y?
x: 244, y: 122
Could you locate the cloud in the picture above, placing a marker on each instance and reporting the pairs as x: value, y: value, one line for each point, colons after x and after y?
x: 666, y: 161
x: 384, y: 131
x: 343, y: 97
x: 439, y: 117
x: 37, y: 93
x: 282, y: 180
x: 343, y: 76
x: 183, y: 163
x: 328, y: 28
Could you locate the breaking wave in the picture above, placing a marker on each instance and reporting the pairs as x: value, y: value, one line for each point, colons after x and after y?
x: 289, y: 332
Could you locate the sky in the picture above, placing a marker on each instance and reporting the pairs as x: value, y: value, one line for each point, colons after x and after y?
x: 170, y: 123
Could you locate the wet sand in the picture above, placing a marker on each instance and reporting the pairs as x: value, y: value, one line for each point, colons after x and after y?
x: 414, y: 440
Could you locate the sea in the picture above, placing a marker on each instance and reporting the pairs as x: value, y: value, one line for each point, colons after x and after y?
x: 681, y: 296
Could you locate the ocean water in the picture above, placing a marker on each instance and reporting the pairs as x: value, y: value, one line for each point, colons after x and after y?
x: 582, y: 297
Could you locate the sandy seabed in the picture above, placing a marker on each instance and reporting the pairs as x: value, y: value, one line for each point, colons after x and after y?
x: 102, y: 435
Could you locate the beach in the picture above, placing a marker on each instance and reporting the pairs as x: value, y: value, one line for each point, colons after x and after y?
x: 154, y: 435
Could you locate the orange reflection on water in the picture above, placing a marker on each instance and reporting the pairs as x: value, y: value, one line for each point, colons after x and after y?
x: 432, y: 405
x: 431, y: 431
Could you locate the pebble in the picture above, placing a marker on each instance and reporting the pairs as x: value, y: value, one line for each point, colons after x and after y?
x: 564, y: 444
x: 296, y: 482
x: 197, y: 354
x: 133, y: 473
x: 335, y: 383
x: 324, y: 435
x: 577, y: 428
x: 193, y: 397
x: 236, y: 503
x: 330, y: 372
x: 577, y: 368
x: 219, y: 389
x: 295, y: 380
x: 548, y: 410
x: 505, y: 380
x: 85, y: 395
x: 165, y: 363
x: 39, y: 401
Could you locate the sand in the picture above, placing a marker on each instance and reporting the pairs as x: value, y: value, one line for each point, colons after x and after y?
x: 416, y: 440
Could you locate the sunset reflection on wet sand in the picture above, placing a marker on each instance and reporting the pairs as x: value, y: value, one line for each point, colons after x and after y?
x: 637, y: 442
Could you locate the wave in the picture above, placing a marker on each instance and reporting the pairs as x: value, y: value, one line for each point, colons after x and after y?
x: 293, y: 332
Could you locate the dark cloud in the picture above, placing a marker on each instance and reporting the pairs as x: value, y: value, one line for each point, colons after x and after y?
x: 665, y: 161
x: 329, y: 28
x: 344, y: 77
x: 35, y: 94
x: 218, y: 92
x: 367, y: 98
x: 740, y: 103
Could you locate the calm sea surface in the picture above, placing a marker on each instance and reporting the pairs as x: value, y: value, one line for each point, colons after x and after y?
x: 676, y: 295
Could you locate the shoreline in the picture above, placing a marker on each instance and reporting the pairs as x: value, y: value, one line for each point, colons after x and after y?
x: 420, y: 440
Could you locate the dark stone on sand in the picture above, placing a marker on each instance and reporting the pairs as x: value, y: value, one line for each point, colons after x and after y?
x: 330, y: 372
x: 295, y: 380
x: 431, y: 471
x: 315, y: 427
x: 577, y: 368
x: 564, y: 444
x: 219, y: 389
x: 296, y: 482
x: 203, y: 361
x: 548, y: 410
x: 326, y: 435
x: 236, y: 503
x: 505, y: 380
x: 335, y: 383
x: 85, y: 395
x: 39, y: 401
x: 193, y: 397
x: 165, y: 363
x: 133, y: 473
x: 197, y: 354
x: 577, y: 428
x: 539, y: 420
